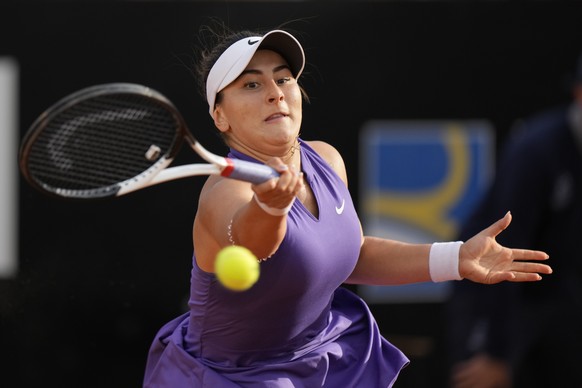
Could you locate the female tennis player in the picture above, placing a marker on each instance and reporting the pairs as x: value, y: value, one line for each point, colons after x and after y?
x: 297, y: 326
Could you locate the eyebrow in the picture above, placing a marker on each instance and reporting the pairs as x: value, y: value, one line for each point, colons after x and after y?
x: 275, y: 70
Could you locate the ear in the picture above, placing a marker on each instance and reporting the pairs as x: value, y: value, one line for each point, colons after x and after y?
x: 220, y: 120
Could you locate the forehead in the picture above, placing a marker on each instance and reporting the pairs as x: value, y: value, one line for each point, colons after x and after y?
x: 265, y: 56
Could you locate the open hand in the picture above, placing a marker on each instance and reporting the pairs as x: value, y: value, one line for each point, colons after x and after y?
x: 483, y: 260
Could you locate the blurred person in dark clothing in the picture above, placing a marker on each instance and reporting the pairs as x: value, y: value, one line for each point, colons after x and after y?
x: 515, y: 335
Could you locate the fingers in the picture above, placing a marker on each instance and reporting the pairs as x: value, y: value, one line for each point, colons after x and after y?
x: 525, y: 267
x: 528, y: 272
x: 290, y: 180
x: 529, y: 255
x: 515, y: 277
x: 279, y: 192
x: 521, y: 271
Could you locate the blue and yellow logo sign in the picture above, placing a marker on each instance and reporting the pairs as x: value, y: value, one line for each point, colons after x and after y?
x: 419, y: 180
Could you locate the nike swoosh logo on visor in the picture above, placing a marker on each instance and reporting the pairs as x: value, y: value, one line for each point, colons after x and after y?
x: 340, y: 210
x: 251, y: 42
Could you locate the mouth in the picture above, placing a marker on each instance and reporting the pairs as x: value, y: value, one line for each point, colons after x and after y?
x: 276, y: 116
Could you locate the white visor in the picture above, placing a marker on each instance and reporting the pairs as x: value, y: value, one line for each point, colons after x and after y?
x: 235, y: 59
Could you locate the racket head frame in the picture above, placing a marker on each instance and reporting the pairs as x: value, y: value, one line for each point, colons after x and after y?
x: 132, y: 183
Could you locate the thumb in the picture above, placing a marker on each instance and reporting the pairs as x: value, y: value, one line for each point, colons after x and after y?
x: 499, y: 226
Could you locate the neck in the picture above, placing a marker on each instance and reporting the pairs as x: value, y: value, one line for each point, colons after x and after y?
x: 289, y: 154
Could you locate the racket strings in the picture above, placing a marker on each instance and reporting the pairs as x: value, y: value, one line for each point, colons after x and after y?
x: 101, y: 141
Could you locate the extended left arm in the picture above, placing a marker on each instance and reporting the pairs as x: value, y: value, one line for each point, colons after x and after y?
x: 481, y: 259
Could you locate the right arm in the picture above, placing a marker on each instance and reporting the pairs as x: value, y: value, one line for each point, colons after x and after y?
x: 227, y: 204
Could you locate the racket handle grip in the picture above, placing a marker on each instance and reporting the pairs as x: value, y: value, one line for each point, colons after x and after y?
x: 248, y: 171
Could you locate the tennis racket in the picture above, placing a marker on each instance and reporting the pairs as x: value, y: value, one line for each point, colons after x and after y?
x: 113, y: 139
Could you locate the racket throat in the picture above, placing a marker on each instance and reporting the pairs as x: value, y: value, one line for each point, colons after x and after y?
x: 206, y: 155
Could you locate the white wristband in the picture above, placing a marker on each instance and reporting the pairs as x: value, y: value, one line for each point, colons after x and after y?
x: 443, y: 261
x: 273, y: 210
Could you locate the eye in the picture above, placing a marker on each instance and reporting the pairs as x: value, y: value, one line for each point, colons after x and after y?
x: 251, y: 85
x: 283, y: 80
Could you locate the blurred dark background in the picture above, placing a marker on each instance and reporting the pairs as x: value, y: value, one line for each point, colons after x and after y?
x: 96, y: 280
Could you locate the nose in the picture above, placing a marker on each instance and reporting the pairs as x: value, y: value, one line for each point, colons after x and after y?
x: 275, y: 94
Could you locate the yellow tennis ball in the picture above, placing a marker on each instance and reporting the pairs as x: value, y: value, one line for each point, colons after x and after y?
x: 236, y: 268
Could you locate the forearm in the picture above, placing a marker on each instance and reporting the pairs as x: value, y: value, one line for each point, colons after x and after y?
x: 260, y: 232
x: 227, y: 214
x: 389, y: 262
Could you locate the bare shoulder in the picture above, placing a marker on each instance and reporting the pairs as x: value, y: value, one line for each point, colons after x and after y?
x: 217, y: 203
x: 224, y: 193
x: 331, y: 155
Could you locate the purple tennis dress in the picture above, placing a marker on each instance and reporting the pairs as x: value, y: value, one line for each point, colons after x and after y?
x: 296, y: 327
